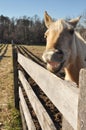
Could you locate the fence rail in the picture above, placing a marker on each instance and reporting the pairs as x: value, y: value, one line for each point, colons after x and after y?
x: 67, y: 97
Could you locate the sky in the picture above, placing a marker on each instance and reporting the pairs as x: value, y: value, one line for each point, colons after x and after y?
x: 55, y: 8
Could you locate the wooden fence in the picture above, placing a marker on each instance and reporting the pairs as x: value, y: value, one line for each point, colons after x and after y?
x: 66, y: 96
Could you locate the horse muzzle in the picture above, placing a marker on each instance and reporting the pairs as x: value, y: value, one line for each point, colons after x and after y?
x: 54, y: 59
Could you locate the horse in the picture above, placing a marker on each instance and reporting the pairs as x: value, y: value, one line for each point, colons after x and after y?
x: 65, y: 48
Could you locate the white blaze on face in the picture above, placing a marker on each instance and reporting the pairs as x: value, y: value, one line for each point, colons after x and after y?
x: 46, y: 56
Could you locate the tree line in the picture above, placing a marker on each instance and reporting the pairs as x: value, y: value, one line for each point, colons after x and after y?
x: 27, y: 30
x: 24, y: 30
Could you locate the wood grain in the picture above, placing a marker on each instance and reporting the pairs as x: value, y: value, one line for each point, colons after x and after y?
x: 82, y: 101
x: 43, y: 117
x: 63, y: 94
x: 26, y: 112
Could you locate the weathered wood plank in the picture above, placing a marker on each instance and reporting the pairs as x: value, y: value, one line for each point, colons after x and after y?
x: 15, y: 72
x: 66, y: 125
x: 82, y: 101
x: 43, y: 117
x: 65, y: 94
x: 24, y: 126
x: 26, y: 112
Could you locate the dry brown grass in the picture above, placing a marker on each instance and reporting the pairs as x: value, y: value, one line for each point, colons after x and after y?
x: 9, y: 117
x: 8, y: 114
x: 37, y: 50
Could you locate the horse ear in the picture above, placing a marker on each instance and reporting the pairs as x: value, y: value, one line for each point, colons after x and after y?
x: 74, y: 22
x: 48, y: 20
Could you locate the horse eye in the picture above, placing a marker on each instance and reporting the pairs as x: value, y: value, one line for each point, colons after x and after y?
x: 71, y: 31
x: 45, y: 36
x: 46, y: 33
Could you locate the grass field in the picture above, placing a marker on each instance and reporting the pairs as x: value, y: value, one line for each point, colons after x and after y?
x: 37, y: 50
x: 9, y: 116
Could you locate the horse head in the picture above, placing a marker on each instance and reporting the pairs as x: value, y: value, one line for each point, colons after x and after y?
x: 59, y: 38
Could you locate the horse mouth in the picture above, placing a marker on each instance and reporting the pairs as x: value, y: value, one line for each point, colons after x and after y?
x: 55, y: 67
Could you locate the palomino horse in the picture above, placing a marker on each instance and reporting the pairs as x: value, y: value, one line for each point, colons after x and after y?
x: 65, y: 48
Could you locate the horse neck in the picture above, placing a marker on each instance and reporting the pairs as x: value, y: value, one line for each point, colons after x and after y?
x: 72, y: 71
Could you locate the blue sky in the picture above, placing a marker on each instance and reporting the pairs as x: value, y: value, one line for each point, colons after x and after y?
x: 56, y: 8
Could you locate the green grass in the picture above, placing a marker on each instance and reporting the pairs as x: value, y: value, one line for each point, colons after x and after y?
x: 15, y: 122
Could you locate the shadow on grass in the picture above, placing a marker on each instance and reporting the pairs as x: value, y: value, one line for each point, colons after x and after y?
x: 4, y: 52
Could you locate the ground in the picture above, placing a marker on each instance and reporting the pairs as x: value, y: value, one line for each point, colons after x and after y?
x: 9, y: 116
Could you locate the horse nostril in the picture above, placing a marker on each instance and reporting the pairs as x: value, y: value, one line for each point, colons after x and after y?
x: 60, y: 52
x: 57, y: 56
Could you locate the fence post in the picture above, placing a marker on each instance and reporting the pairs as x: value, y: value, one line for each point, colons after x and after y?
x: 82, y: 101
x: 16, y: 86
